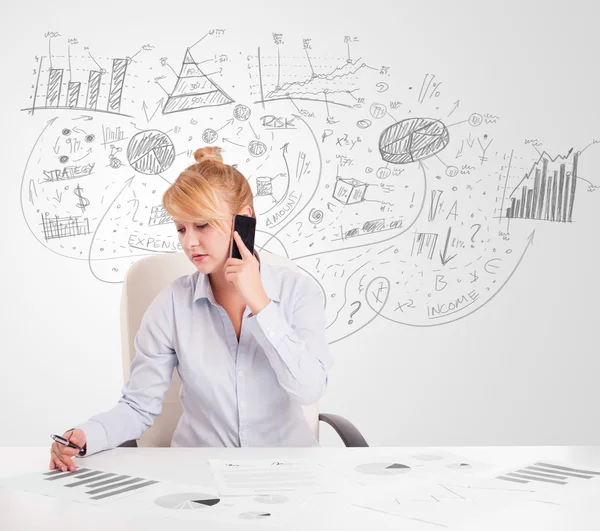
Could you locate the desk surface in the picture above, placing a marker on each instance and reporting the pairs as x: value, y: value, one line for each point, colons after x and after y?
x: 23, y: 510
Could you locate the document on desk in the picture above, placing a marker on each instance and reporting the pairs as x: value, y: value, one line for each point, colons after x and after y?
x: 129, y: 494
x: 445, y: 502
x: 269, y: 476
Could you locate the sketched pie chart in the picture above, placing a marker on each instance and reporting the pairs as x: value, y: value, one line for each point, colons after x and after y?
x: 150, y: 152
x: 187, y: 501
x: 383, y: 469
x: 413, y: 139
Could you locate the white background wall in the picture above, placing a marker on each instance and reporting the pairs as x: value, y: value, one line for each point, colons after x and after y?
x: 522, y: 370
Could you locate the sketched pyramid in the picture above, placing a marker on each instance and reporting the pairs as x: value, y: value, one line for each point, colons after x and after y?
x: 194, y: 89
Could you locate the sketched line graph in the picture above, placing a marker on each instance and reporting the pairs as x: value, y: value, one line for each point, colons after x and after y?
x: 194, y: 89
x: 327, y: 80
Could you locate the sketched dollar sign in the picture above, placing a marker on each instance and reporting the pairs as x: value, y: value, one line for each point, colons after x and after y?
x: 83, y: 201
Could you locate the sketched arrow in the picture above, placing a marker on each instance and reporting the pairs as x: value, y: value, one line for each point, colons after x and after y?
x: 456, y: 104
x: 227, y: 140
x: 255, y: 135
x: 228, y: 122
x: 145, y: 108
x: 159, y: 105
x: 284, y: 150
x: 58, y: 196
x: 445, y: 259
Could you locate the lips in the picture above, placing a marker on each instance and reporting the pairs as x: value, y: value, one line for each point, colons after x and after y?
x: 197, y: 255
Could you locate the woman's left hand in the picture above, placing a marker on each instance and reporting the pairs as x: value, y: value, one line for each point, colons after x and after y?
x: 244, y: 274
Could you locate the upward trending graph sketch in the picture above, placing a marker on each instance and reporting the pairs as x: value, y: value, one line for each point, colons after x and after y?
x: 331, y: 81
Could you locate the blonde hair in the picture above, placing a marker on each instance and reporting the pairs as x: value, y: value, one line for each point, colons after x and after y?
x: 195, y: 195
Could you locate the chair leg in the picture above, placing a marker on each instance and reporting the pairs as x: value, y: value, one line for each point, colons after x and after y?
x: 347, y: 431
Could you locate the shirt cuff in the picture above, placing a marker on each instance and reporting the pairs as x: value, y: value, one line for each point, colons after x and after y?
x: 268, y: 326
x: 95, y: 436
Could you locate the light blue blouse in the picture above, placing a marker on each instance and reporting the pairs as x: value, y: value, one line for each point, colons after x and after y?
x: 233, y: 394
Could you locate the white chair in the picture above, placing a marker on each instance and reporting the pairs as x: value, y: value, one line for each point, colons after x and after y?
x: 144, y: 280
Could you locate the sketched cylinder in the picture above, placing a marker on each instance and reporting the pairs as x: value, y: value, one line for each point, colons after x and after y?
x: 413, y: 139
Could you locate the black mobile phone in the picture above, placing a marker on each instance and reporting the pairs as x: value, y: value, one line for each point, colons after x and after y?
x: 246, y: 228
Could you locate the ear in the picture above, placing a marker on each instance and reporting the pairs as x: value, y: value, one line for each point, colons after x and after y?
x: 246, y: 211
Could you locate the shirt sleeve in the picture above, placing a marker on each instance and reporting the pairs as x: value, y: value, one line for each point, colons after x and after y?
x: 297, y: 350
x: 150, y: 377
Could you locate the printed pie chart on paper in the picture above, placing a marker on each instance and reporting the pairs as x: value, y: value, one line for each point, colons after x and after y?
x: 187, y: 501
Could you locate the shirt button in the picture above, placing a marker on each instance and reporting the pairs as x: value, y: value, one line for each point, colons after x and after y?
x: 240, y: 373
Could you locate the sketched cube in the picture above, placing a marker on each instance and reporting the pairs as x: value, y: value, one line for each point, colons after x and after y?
x: 349, y: 191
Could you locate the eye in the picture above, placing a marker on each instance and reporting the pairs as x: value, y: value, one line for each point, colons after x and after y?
x: 202, y: 226
x: 181, y: 230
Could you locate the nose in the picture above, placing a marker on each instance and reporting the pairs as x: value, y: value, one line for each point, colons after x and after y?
x: 190, y: 241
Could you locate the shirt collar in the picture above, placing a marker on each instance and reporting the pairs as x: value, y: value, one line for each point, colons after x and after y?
x: 267, y: 277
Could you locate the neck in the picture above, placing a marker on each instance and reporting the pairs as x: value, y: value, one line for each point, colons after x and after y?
x: 219, y: 285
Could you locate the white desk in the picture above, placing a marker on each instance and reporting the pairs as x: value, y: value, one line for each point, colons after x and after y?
x: 31, y: 512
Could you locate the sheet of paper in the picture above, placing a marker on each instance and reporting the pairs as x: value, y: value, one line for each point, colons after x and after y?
x: 162, y: 499
x: 395, y: 468
x: 267, y: 476
x: 553, y: 481
x: 445, y: 502
x: 95, y: 487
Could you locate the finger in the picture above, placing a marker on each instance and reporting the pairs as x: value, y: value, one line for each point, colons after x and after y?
x: 230, y: 277
x: 65, y: 452
x: 233, y: 261
x: 75, y: 437
x: 62, y: 462
x: 242, y: 246
x: 234, y: 268
x: 51, y: 465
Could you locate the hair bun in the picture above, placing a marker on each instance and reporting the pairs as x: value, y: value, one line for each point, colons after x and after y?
x: 208, y: 153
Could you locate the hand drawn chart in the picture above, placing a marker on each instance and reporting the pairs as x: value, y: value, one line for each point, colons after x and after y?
x: 403, y: 203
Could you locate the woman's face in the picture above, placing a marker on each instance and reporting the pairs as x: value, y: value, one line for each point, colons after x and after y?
x: 205, y: 246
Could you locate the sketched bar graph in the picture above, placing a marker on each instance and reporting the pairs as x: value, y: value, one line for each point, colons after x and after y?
x: 550, y: 198
x: 63, y: 227
x: 98, y: 89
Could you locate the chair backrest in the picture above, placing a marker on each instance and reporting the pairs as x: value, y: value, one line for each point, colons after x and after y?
x: 144, y: 280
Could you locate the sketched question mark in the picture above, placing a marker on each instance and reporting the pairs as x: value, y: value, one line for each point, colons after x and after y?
x: 353, y: 312
x: 137, y: 204
x: 300, y: 226
x: 240, y: 128
x: 478, y: 229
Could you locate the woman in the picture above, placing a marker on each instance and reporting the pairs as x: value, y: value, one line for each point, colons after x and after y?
x: 248, y: 339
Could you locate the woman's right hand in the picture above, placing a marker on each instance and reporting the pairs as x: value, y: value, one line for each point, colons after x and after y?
x: 61, y: 455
